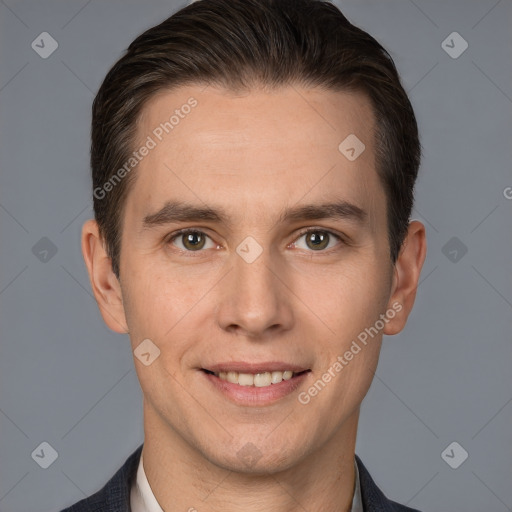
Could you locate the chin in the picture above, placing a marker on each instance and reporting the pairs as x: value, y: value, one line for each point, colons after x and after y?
x: 257, y: 458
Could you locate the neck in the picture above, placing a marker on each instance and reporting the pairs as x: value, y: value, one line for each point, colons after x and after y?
x: 182, y: 478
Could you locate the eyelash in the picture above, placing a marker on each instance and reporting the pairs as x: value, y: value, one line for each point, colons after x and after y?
x: 186, y: 231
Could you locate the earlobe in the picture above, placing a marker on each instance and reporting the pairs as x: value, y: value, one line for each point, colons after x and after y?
x: 104, y: 283
x: 406, y: 276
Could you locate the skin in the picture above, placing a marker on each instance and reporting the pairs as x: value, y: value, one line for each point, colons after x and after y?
x: 254, y: 154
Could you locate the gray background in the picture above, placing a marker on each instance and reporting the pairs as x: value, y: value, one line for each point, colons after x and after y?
x: 67, y: 380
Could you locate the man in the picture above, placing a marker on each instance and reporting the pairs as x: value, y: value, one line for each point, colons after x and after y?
x: 253, y: 169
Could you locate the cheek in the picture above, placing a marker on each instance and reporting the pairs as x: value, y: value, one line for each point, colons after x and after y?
x: 153, y: 299
x: 161, y: 307
x: 351, y: 298
x: 356, y: 377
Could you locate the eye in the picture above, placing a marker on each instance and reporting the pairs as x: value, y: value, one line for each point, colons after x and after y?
x: 317, y: 239
x: 191, y: 240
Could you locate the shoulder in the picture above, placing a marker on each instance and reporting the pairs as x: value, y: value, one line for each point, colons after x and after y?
x: 373, y: 498
x: 115, y: 494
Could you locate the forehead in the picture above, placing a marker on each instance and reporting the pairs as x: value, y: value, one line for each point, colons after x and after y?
x: 256, y: 117
x: 255, y: 149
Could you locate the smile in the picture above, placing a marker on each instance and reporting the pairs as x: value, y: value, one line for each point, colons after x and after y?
x: 257, y: 385
x: 259, y: 380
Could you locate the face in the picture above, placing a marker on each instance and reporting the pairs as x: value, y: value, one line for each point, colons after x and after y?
x: 260, y: 309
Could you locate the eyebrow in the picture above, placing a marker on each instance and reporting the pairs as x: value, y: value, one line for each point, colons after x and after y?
x: 178, y: 211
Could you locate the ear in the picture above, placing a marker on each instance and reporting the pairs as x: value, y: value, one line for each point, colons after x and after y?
x: 104, y: 283
x: 406, y: 275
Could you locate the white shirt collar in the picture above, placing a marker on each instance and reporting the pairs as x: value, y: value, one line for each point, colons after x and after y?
x: 142, y: 498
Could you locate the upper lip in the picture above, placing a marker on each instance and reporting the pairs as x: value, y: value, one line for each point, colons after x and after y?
x: 245, y: 367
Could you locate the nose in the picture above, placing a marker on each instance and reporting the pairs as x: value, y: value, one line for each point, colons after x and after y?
x: 256, y: 297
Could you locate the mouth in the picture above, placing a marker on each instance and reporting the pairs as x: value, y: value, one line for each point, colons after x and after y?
x: 261, y: 379
x: 255, y: 384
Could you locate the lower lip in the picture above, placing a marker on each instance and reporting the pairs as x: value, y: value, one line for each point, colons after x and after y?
x: 255, y: 396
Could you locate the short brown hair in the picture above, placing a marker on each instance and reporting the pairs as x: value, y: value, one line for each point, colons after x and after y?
x: 237, y: 44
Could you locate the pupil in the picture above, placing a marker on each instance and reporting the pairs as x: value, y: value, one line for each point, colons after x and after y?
x: 194, y: 240
x: 318, y: 239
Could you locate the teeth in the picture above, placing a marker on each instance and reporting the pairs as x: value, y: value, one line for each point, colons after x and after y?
x: 258, y: 380
x: 232, y: 377
x: 245, y: 379
x: 262, y: 379
x: 276, y: 377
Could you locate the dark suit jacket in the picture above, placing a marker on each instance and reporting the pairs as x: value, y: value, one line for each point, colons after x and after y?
x: 115, y: 495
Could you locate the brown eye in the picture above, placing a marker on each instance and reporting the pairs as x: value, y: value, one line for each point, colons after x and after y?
x: 190, y: 240
x: 317, y: 240
x: 193, y: 241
